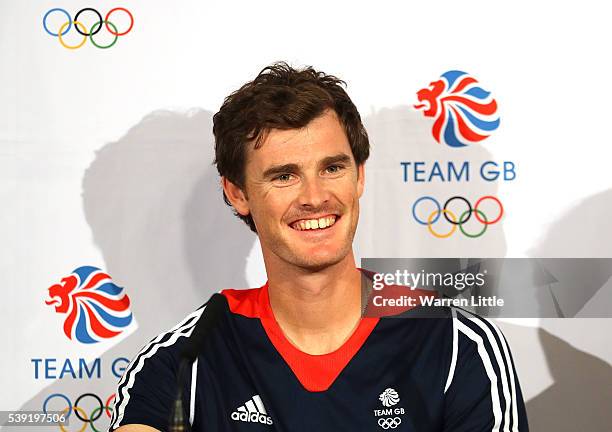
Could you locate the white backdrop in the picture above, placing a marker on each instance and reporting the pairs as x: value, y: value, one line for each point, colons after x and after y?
x: 105, y: 160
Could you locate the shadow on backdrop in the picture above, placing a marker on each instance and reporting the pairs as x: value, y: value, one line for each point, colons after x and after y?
x: 579, y: 398
x: 154, y: 205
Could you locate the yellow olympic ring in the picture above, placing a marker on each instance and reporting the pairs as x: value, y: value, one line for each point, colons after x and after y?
x: 444, y: 211
x: 79, y: 409
x: 76, y: 23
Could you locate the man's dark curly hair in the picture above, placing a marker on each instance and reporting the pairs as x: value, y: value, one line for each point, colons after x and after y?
x: 280, y: 97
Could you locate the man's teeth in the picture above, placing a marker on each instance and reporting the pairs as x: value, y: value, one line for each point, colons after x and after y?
x: 307, y: 224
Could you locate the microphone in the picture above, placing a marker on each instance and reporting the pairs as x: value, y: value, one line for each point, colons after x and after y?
x: 213, y: 311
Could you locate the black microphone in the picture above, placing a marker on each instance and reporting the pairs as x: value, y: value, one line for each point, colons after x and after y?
x: 213, y: 310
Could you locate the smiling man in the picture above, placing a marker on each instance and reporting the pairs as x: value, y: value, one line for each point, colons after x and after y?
x: 302, y: 189
x: 296, y: 354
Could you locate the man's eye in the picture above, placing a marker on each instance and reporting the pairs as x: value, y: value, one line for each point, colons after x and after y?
x: 283, y: 177
x: 333, y: 169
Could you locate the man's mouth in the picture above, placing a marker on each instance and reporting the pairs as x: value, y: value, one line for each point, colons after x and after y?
x: 314, y: 224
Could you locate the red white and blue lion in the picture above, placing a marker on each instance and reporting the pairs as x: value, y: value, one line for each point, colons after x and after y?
x: 96, y: 308
x: 463, y: 112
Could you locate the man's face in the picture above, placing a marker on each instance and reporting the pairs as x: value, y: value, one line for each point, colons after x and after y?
x: 302, y: 190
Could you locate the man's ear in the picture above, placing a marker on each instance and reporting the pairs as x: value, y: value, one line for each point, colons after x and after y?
x: 360, y: 179
x: 236, y: 196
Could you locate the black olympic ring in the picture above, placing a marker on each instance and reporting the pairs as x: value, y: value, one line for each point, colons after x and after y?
x: 389, y: 422
x: 100, y: 21
x: 462, y: 199
x: 97, y: 398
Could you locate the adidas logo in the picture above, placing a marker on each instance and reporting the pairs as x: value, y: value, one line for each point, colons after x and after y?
x: 252, y: 411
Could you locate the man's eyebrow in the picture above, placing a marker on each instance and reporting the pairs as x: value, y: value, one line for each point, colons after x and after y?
x: 275, y: 170
x: 342, y: 158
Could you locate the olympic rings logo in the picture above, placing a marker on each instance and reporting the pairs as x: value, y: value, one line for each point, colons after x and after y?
x: 80, y: 413
x: 82, y: 30
x: 389, y: 423
x: 451, y: 217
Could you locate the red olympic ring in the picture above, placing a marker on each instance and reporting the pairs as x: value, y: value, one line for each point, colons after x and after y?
x: 107, y: 406
x: 501, y: 209
x: 106, y: 19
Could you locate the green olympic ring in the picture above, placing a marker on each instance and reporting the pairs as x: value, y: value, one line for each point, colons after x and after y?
x: 469, y: 213
x: 91, y: 33
x: 98, y: 409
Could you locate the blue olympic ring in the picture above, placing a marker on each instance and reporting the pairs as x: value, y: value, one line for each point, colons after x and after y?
x: 61, y: 396
x: 435, y: 201
x: 58, y: 10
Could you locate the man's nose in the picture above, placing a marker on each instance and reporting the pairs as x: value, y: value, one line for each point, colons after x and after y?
x: 313, y: 193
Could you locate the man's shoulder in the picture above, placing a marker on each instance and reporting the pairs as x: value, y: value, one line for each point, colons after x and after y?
x: 474, y: 325
x: 444, y: 326
x: 481, y: 335
x: 461, y: 321
x: 171, y: 341
x: 244, y: 302
x: 150, y: 379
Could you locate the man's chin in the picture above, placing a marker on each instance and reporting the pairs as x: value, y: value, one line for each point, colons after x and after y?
x: 316, y: 266
x: 314, y: 261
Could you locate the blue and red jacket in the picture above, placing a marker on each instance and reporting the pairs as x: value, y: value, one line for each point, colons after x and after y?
x: 449, y: 372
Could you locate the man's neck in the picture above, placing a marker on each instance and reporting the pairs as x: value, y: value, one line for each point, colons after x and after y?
x: 317, y: 311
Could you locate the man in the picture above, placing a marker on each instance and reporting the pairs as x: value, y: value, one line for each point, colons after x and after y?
x: 296, y: 354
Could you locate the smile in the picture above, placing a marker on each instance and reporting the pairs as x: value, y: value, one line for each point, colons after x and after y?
x: 314, y: 224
